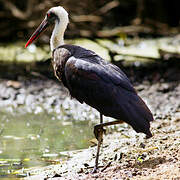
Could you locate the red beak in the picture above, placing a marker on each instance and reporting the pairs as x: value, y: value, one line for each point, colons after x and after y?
x: 42, y: 27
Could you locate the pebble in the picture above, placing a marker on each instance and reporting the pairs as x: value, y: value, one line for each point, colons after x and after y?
x: 39, y: 95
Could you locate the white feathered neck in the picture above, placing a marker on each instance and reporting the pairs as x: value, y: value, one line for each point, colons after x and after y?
x: 57, y: 37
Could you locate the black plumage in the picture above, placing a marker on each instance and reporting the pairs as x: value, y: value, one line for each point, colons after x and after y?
x: 101, y: 85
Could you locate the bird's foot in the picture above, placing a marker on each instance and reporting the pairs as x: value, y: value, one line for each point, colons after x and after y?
x: 105, y: 167
x: 95, y: 170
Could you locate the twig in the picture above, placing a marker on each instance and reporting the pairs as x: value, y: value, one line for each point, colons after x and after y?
x: 17, y: 12
x: 84, y: 18
x: 107, y: 7
x: 125, y: 29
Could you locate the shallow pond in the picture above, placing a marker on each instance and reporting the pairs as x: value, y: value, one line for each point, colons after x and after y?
x: 29, y: 140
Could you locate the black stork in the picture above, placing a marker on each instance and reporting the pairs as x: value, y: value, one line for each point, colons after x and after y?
x: 92, y: 80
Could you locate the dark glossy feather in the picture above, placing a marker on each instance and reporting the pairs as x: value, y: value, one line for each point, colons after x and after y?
x: 101, y: 85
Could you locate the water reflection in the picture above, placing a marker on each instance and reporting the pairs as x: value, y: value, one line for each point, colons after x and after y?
x: 28, y: 140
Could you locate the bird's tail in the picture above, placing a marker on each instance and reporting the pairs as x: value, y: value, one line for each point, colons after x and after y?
x: 138, y: 115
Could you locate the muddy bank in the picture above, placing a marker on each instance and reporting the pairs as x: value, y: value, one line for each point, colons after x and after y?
x: 131, y: 156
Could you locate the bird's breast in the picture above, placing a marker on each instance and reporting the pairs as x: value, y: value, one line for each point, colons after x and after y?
x: 60, y: 57
x: 57, y: 69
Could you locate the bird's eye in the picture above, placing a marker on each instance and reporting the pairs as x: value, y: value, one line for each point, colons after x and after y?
x: 48, y: 15
x: 51, y: 17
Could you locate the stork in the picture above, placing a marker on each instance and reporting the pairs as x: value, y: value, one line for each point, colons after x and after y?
x: 92, y: 80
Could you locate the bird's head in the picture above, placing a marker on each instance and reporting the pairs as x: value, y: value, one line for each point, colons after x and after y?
x: 54, y: 15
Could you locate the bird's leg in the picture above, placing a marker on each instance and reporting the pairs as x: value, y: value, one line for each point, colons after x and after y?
x: 98, y: 132
x: 100, y: 126
x: 97, y: 128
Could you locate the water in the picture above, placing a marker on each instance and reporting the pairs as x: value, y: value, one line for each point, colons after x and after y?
x: 29, y: 140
